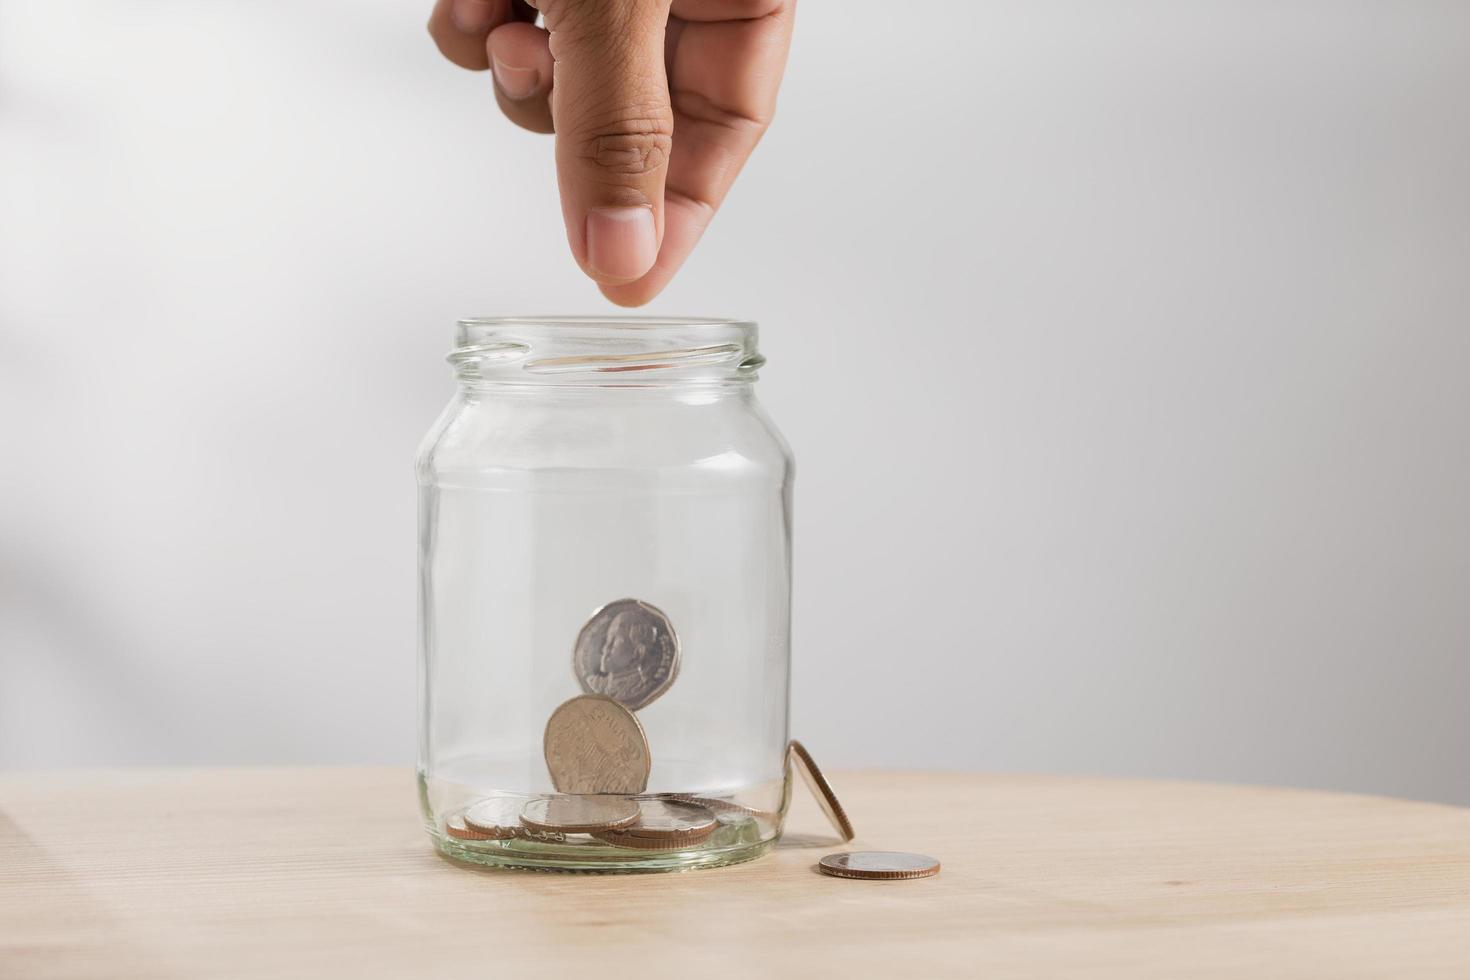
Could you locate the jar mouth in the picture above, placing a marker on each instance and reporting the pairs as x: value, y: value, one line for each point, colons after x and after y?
x: 572, y: 323
x: 604, y: 350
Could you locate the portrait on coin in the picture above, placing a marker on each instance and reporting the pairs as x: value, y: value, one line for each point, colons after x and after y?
x: 629, y: 647
x: 628, y: 651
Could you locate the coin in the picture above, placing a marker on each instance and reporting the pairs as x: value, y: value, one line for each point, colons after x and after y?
x: 821, y: 789
x: 579, y: 814
x: 878, y: 865
x: 594, y: 745
x: 496, y: 819
x: 493, y: 819
x: 719, y: 805
x: 627, y: 651
x: 455, y: 826
x: 623, y: 838
x: 671, y: 820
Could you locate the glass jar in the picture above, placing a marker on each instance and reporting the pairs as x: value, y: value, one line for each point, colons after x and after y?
x: 605, y: 528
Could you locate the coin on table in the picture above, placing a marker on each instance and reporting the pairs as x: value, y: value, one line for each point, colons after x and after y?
x: 579, y: 814
x: 821, y: 789
x: 878, y: 865
x: 594, y: 745
x: 627, y: 651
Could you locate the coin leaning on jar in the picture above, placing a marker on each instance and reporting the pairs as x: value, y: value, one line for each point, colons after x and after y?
x: 803, y: 762
x: 593, y: 744
x: 627, y: 651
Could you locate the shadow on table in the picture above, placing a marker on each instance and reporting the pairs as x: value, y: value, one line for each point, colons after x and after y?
x: 807, y: 841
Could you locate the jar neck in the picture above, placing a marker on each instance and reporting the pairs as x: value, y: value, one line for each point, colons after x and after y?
x: 637, y: 354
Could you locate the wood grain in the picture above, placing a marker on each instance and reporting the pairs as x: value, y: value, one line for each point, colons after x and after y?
x: 327, y: 872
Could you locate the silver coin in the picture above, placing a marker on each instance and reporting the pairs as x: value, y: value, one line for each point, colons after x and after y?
x: 627, y: 651
x: 493, y: 819
x: 672, y: 819
x: 878, y: 865
x: 621, y: 838
x: 719, y: 805
x: 579, y: 814
x: 595, y: 745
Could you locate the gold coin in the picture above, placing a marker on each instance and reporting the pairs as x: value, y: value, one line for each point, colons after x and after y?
x: 878, y: 865
x: 595, y: 745
x: 579, y: 814
x: 494, y: 819
x: 821, y: 789
x: 671, y: 820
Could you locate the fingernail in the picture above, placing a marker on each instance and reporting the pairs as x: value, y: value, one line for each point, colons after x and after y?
x: 621, y: 242
x: 472, y: 16
x: 515, y: 83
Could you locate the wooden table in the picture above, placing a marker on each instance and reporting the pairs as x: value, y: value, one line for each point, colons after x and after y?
x: 326, y: 873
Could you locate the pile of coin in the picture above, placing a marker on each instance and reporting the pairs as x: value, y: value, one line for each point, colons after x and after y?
x: 597, y: 754
x: 625, y: 658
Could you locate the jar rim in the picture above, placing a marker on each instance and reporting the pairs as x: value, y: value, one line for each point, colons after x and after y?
x: 613, y: 322
x: 605, y: 350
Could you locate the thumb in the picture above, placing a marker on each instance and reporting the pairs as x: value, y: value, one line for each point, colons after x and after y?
x: 614, y: 130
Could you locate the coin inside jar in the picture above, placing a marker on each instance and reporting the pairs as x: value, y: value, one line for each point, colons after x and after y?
x: 717, y: 805
x: 595, y: 745
x: 878, y: 865
x: 456, y: 827
x: 627, y: 651
x: 493, y: 819
x: 821, y: 789
x: 665, y: 819
x: 579, y: 814
x: 621, y: 838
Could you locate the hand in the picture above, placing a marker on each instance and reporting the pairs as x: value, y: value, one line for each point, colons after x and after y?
x: 656, y: 106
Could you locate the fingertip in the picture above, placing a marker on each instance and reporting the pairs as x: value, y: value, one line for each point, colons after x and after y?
x: 458, y: 48
x: 477, y: 16
x: 458, y: 28
x: 517, y: 84
x: 622, y: 243
x: 683, y: 222
x: 521, y: 44
x: 631, y: 294
x: 520, y: 59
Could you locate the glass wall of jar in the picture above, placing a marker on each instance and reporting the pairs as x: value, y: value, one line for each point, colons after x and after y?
x: 605, y: 537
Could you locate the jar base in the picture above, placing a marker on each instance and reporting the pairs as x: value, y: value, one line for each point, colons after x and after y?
x: 482, y: 826
x: 539, y: 856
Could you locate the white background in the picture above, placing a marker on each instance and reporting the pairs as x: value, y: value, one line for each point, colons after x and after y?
x: 1123, y: 347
